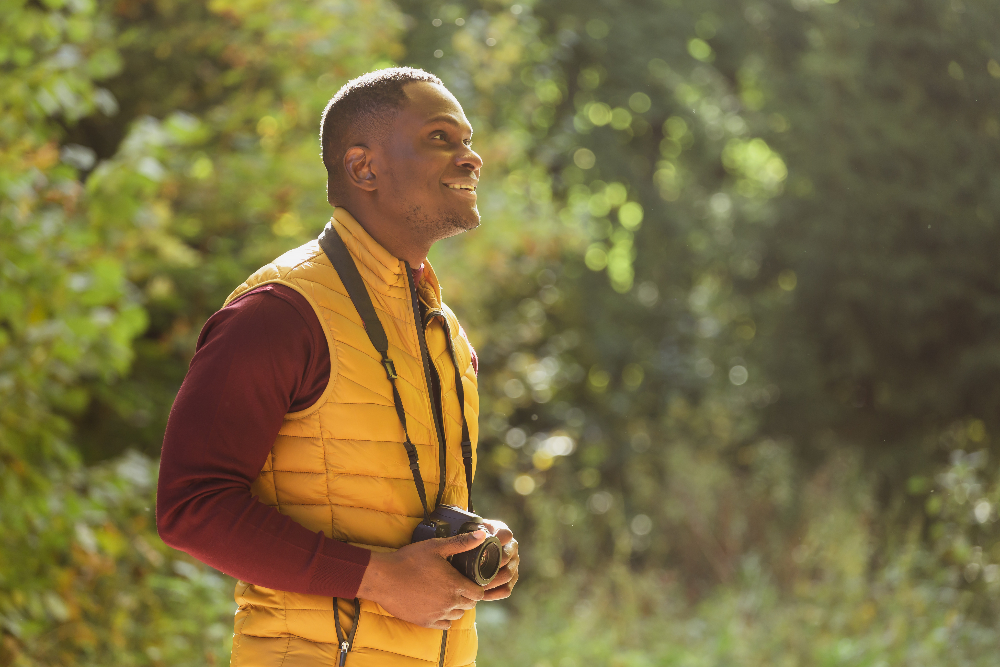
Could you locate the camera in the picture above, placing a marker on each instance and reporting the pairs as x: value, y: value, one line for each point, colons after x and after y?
x: 480, y: 564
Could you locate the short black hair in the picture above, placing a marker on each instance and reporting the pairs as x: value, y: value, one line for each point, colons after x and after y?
x: 366, y: 107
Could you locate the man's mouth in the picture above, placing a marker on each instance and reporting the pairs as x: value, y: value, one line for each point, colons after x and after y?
x: 469, y: 187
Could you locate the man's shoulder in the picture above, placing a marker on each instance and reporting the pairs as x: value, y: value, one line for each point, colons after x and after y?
x: 298, y: 262
x: 272, y: 297
x: 296, y: 259
x: 265, y: 305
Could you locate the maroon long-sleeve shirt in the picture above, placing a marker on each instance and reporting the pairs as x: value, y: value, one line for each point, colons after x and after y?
x: 257, y: 359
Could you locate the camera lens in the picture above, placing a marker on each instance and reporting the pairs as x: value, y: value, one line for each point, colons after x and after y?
x: 489, y: 561
x: 480, y: 564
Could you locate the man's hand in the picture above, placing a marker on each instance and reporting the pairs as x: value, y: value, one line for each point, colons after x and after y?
x: 503, y: 583
x: 417, y: 583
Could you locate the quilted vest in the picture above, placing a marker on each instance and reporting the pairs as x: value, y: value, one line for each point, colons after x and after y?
x: 340, y: 466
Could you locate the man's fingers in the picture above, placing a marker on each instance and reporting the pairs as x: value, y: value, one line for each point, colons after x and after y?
x: 503, y: 576
x: 468, y: 601
x: 503, y: 584
x: 495, y: 525
x: 471, y: 591
x: 499, y: 529
x: 459, y: 606
x: 506, y: 574
x: 449, y: 546
x: 454, y: 614
x: 461, y: 587
x: 498, y: 593
x: 509, y: 551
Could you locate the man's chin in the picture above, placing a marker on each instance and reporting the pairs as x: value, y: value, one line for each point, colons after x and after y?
x: 474, y: 220
x: 445, y: 224
x: 464, y: 222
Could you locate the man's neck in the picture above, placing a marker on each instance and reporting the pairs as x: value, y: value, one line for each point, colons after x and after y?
x: 388, y: 236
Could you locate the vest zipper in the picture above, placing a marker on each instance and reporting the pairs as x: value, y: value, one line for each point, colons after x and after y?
x: 346, y: 643
x: 444, y: 642
x: 425, y: 357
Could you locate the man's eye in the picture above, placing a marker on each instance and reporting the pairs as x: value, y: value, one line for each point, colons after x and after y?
x: 468, y: 142
x: 438, y: 135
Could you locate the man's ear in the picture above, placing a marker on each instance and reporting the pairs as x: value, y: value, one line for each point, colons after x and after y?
x: 360, y: 172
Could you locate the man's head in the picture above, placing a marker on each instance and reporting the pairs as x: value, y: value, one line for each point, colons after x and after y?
x: 397, y: 149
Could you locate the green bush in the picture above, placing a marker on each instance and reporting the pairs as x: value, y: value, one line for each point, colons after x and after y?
x: 86, y: 580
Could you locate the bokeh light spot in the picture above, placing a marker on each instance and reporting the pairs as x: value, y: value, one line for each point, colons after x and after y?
x: 600, y: 502
x: 584, y: 158
x: 640, y: 102
x: 700, y: 50
x: 641, y: 524
x: 630, y: 215
x: 524, y: 484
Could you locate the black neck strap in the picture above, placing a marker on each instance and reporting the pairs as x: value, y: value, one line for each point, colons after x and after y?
x: 460, y: 390
x: 343, y: 263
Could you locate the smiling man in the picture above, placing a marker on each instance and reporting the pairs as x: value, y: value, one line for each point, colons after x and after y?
x: 299, y: 457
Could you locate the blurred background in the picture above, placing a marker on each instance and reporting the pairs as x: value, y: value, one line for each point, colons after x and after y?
x: 736, y: 299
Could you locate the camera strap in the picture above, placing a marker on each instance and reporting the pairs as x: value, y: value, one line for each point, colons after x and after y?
x: 343, y: 263
x: 460, y: 390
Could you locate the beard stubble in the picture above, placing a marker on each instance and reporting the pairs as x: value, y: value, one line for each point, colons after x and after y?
x: 440, y: 226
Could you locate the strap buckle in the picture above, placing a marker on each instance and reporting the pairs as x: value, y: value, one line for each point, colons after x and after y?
x: 390, y: 368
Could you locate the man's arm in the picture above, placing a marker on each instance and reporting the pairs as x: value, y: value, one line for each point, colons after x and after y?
x: 257, y: 359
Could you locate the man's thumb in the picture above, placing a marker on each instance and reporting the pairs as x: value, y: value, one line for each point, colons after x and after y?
x: 462, y: 542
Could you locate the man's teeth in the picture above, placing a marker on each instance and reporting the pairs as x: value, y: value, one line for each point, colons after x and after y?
x: 455, y: 186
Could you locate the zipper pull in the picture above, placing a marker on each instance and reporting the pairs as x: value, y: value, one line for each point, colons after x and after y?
x: 343, y: 653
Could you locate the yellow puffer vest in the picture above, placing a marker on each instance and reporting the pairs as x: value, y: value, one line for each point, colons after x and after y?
x: 340, y: 466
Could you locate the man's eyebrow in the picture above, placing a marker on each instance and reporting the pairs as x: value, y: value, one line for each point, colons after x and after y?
x: 446, y: 118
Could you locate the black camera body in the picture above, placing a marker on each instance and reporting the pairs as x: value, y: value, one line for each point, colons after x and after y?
x: 481, y: 564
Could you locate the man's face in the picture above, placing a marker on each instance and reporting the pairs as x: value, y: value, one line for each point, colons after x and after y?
x: 430, y: 172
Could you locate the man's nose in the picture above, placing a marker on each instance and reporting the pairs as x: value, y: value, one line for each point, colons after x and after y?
x: 469, y: 159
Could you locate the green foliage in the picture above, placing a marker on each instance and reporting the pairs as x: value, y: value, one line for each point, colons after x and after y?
x: 841, y: 598
x: 734, y: 298
x: 87, y: 582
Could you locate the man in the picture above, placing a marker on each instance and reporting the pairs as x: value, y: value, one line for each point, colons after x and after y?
x: 285, y: 460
